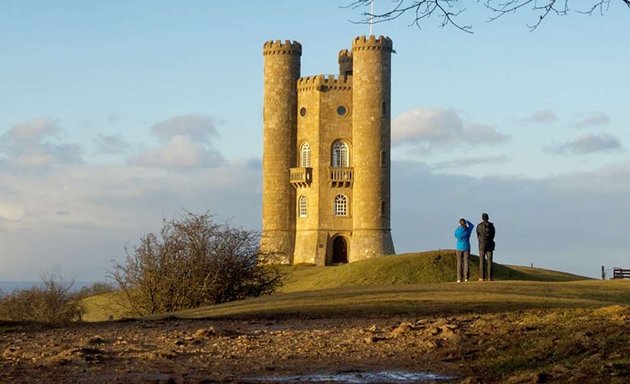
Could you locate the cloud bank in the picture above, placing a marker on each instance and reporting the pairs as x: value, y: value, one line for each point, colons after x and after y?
x: 436, y: 127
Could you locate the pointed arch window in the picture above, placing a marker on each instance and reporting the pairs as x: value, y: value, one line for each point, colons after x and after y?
x: 341, y: 205
x: 340, y: 155
x: 305, y: 154
x: 303, y: 206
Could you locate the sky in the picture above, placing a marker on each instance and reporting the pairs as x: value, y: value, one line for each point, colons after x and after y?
x: 116, y: 115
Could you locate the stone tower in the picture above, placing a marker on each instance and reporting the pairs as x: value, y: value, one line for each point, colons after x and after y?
x: 371, y: 133
x: 281, y: 72
x: 326, y: 171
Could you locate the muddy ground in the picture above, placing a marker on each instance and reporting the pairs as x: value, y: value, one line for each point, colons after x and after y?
x: 560, y: 346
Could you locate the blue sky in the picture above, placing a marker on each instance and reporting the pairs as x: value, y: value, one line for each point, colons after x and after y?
x: 116, y: 114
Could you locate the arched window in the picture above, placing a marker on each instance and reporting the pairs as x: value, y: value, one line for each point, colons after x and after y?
x: 340, y: 155
x: 305, y: 155
x: 341, y: 205
x: 302, y: 206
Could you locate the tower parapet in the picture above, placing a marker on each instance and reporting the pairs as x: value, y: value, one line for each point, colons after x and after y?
x: 278, y: 47
x: 324, y: 83
x: 372, y: 42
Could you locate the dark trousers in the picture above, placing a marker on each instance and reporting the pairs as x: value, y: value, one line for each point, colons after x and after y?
x: 462, y: 265
x: 485, y: 265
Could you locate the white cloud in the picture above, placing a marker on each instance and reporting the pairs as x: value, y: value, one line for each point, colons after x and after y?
x: 593, y: 119
x: 33, y: 130
x: 198, y: 128
x: 540, y: 117
x: 36, y: 143
x: 178, y: 152
x: 440, y: 128
x: 588, y: 143
x: 185, y: 143
x: 469, y: 162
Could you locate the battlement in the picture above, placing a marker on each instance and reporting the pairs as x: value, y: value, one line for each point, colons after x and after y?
x: 345, y: 56
x: 279, y: 47
x: 324, y: 83
x: 383, y: 43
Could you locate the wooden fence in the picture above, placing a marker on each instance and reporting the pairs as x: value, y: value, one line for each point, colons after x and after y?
x: 620, y: 273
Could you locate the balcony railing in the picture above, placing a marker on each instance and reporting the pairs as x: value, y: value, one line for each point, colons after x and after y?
x: 301, y: 177
x: 340, y: 177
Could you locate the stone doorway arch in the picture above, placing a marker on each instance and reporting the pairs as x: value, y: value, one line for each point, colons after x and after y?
x: 339, y: 250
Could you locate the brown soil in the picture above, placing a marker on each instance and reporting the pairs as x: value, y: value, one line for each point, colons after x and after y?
x: 564, y: 346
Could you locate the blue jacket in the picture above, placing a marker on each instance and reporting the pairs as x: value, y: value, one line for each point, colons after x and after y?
x: 463, y: 236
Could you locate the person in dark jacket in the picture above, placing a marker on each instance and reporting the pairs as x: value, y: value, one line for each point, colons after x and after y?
x: 462, y: 234
x: 485, y: 235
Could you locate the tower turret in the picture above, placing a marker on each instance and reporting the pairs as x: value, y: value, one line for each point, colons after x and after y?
x: 281, y: 72
x: 345, y: 62
x: 371, y: 134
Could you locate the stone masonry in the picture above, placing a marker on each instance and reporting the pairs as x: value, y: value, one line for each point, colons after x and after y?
x: 326, y: 155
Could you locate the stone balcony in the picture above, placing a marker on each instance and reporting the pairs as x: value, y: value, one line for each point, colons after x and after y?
x: 340, y: 177
x: 301, y: 176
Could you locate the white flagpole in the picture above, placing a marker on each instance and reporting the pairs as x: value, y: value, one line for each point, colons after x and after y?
x: 371, y: 16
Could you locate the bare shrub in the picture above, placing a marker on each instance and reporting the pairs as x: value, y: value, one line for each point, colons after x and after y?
x: 51, y: 302
x: 192, y: 262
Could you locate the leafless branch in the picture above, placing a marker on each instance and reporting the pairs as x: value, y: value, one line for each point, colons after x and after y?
x: 544, y: 8
x: 422, y: 9
x: 449, y: 10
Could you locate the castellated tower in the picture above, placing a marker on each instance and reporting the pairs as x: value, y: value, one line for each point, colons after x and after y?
x: 281, y: 72
x: 371, y: 135
x: 326, y: 171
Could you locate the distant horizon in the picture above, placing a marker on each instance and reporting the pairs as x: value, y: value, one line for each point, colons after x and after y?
x: 7, y: 286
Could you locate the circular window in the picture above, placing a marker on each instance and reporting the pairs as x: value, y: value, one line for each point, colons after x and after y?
x: 302, y: 111
x: 341, y: 110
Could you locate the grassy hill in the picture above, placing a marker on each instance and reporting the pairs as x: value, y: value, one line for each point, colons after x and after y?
x: 423, y: 300
x: 409, y: 268
x: 389, y: 285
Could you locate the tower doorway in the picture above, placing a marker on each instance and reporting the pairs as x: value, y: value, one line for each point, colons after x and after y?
x: 339, y: 250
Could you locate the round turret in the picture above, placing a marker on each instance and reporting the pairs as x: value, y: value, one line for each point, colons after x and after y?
x: 281, y: 72
x: 371, y: 133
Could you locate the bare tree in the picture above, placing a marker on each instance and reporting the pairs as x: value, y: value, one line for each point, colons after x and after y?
x: 192, y: 262
x: 448, y: 10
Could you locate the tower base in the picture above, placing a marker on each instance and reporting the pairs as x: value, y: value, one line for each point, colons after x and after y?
x: 369, y: 243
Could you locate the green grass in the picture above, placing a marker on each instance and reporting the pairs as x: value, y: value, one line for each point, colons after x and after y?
x: 409, y: 268
x: 419, y: 283
x: 103, y: 307
x: 424, y: 300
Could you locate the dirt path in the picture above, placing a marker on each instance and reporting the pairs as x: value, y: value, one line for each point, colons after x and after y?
x: 572, y: 346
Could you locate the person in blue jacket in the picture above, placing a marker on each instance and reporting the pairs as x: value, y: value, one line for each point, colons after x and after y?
x: 462, y: 234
